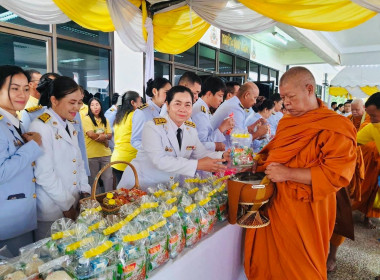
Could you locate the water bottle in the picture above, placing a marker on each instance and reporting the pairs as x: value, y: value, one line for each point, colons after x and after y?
x: 83, y: 269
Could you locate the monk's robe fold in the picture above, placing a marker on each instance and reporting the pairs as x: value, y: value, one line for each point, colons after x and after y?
x: 295, y: 244
x: 360, y: 122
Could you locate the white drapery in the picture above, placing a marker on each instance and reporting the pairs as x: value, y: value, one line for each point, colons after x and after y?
x: 373, y: 5
x: 36, y: 11
x: 231, y: 16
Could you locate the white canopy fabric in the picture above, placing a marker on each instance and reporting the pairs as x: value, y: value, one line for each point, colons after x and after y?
x: 36, y: 11
x: 358, y: 75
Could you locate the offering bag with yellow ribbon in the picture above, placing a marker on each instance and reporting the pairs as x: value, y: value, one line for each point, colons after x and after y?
x: 190, y: 218
x: 132, y: 254
x: 207, y: 208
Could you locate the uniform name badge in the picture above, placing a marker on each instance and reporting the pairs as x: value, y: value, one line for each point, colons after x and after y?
x: 57, y: 136
x: 17, y: 143
x: 191, y: 148
x: 167, y: 149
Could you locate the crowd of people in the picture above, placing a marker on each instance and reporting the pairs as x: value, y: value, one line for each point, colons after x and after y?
x: 55, y: 138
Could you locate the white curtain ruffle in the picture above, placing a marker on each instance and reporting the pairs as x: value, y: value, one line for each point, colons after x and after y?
x: 36, y: 11
x: 373, y: 5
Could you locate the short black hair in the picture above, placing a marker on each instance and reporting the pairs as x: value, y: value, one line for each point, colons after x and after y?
x: 374, y: 99
x: 115, y: 97
x: 172, y: 92
x: 30, y: 73
x: 213, y: 84
x: 190, y: 77
x: 230, y: 88
x: 340, y: 105
x: 347, y: 102
x: 333, y: 103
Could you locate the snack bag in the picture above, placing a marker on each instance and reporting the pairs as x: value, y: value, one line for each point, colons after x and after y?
x: 207, y: 211
x: 148, y: 204
x: 56, y: 269
x: 190, y: 219
x: 241, y: 151
x: 132, y: 254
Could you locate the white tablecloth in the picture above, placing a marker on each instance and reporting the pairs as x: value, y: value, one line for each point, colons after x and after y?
x: 217, y: 256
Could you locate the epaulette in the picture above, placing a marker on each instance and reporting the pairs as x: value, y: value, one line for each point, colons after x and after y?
x: 1, y: 117
x: 246, y: 110
x: 112, y: 109
x: 203, y: 109
x: 45, y: 117
x: 143, y: 106
x: 34, y: 108
x: 241, y: 106
x: 188, y: 123
x: 159, y: 121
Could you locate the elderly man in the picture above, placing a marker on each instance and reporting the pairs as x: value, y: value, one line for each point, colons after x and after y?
x: 311, y: 157
x: 358, y: 117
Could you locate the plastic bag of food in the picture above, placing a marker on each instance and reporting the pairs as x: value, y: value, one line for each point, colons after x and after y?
x: 56, y: 269
x: 242, y: 154
x: 12, y: 269
x: 132, y: 254
x: 176, y: 235
x: 207, y: 208
x: 148, y: 204
x: 157, y: 245
x: 190, y: 219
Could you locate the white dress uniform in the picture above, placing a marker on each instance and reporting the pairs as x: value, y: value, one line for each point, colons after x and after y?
x: 161, y: 159
x: 273, y: 121
x: 110, y: 115
x: 201, y: 117
x: 30, y: 114
x: 144, y: 113
x: 60, y: 170
x: 229, y: 106
x: 256, y: 144
x: 18, y: 214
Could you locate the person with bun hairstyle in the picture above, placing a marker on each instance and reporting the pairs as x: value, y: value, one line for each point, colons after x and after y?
x: 264, y: 109
x: 60, y: 174
x: 171, y: 147
x: 123, y: 150
x: 18, y: 151
x: 156, y: 90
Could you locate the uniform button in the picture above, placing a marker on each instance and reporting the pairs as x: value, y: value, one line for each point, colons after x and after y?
x: 74, y: 160
x: 34, y: 195
x: 33, y: 163
x: 34, y: 180
x: 75, y: 172
x: 75, y: 183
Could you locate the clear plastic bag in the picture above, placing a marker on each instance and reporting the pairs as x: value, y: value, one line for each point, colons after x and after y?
x: 174, y: 227
x: 190, y: 219
x: 207, y: 208
x: 242, y: 154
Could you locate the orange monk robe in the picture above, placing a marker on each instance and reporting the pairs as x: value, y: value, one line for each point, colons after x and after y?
x: 295, y: 245
x: 360, y: 122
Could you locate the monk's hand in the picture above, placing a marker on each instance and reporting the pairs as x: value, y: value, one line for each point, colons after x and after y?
x: 277, y: 172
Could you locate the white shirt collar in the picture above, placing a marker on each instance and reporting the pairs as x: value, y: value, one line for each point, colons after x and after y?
x: 14, y: 120
x: 56, y: 116
x: 172, y: 125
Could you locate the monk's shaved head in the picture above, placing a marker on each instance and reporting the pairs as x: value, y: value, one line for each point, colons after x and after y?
x: 357, y: 108
x: 299, y: 73
x: 297, y: 89
x: 248, y: 94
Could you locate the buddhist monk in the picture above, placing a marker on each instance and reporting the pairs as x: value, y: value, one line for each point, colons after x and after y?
x: 358, y: 117
x: 311, y: 157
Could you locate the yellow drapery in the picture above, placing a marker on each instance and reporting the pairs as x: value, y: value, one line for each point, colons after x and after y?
x: 176, y: 31
x: 91, y: 14
x: 338, y: 91
x: 369, y: 90
x: 323, y: 15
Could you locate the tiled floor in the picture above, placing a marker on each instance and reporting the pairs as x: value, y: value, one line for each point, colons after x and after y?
x: 359, y: 259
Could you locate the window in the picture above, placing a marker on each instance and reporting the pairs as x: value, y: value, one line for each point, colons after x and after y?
x: 160, y: 55
x: 273, y: 75
x: 187, y: 57
x: 207, y: 58
x: 177, y: 75
x: 9, y: 17
x: 225, y: 63
x: 87, y: 65
x: 74, y: 30
x: 253, y: 72
x: 264, y: 74
x: 24, y: 52
x: 162, y: 69
x: 241, y: 65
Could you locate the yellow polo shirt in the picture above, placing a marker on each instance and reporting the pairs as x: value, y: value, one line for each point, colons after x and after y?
x: 95, y: 148
x: 369, y: 133
x: 123, y: 149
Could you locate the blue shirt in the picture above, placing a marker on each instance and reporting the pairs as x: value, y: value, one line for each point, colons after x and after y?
x: 201, y: 116
x: 145, y: 113
x: 273, y: 122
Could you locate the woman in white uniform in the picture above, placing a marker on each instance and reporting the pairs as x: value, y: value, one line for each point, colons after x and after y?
x: 61, y: 177
x: 171, y: 147
x: 18, y: 151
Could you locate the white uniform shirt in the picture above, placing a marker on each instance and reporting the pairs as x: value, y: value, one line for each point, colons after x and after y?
x: 229, y: 106
x: 160, y: 158
x: 273, y: 122
x: 201, y: 117
x: 60, y: 170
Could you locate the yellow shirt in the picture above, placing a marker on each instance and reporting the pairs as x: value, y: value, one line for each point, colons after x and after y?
x: 369, y: 133
x: 123, y: 149
x: 32, y: 102
x: 83, y: 111
x: 95, y: 148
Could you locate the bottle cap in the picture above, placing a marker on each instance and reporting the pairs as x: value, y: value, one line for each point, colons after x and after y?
x: 111, y: 202
x: 109, y: 195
